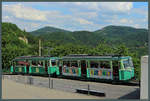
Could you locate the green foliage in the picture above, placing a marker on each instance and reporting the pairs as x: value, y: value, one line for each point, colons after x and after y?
x: 12, y: 46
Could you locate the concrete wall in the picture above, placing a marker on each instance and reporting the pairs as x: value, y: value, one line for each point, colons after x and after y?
x: 144, y: 78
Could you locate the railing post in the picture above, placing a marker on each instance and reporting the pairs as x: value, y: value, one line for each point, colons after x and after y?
x: 52, y: 84
x: 88, y: 89
x: 49, y: 81
x: 30, y: 80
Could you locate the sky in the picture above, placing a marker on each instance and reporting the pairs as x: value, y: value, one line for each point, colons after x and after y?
x: 75, y: 16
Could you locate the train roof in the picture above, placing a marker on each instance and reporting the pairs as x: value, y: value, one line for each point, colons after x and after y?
x: 92, y: 57
x: 35, y: 58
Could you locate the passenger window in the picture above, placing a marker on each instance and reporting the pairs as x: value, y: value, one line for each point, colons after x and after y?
x: 94, y: 64
x: 105, y: 64
x: 74, y: 64
x: 66, y: 64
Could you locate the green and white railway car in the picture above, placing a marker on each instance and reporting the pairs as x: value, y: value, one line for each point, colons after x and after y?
x: 35, y: 65
x: 19, y: 66
x: 100, y: 67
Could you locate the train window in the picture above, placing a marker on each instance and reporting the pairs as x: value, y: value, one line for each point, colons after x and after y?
x: 42, y: 63
x: 130, y: 62
x: 53, y: 62
x: 37, y: 63
x: 126, y: 64
x: 19, y: 63
x: 94, y: 64
x: 105, y: 64
x: 34, y: 63
x: 74, y: 64
x: 66, y: 63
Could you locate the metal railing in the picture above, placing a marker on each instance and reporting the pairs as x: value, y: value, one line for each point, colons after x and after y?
x: 47, y: 82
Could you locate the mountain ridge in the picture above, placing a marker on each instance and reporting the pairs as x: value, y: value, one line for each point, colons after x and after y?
x: 55, y: 29
x: 47, y: 29
x: 112, y: 34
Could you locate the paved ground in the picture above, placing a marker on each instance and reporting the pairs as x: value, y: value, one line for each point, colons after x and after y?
x: 13, y: 90
x: 111, y: 91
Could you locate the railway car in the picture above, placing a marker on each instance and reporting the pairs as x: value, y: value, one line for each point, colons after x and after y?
x: 19, y: 66
x: 99, y: 67
x: 35, y: 65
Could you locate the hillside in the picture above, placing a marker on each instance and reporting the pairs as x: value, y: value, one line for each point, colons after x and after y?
x: 130, y: 36
x: 15, y: 42
x: 46, y: 30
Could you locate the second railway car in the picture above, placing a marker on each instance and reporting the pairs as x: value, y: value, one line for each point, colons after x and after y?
x: 99, y: 67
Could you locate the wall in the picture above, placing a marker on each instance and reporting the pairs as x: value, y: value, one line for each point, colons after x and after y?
x: 144, y: 78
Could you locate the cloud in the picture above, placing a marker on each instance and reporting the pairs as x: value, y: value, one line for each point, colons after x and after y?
x: 104, y: 6
x: 116, y: 6
x: 88, y: 15
x: 80, y: 15
x: 83, y: 21
x: 125, y: 21
x: 28, y: 13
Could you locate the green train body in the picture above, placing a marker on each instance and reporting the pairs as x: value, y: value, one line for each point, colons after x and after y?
x: 35, y: 65
x: 97, y: 67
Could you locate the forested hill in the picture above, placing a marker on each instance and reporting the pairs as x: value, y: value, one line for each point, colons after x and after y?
x: 16, y: 42
x: 130, y: 36
x: 47, y: 29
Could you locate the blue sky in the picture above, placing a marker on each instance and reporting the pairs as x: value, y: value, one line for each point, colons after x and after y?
x: 75, y: 16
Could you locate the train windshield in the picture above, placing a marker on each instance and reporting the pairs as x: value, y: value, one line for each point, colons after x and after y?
x: 128, y: 63
x: 131, y: 63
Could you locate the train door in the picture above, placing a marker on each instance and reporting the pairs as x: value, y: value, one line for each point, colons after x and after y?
x: 46, y: 66
x: 27, y: 66
x: 116, y: 66
x: 12, y: 67
x: 60, y: 64
x: 83, y: 68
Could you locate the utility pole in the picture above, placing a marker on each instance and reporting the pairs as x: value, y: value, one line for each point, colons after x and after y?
x: 40, y: 47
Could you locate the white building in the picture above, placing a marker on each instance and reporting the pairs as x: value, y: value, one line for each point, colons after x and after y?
x: 144, y: 78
